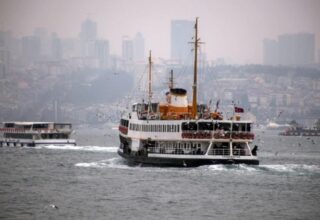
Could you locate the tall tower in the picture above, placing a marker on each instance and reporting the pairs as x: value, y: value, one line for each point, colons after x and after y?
x: 296, y: 49
x: 102, y: 52
x: 181, y: 34
x: 88, y: 35
x: 31, y: 48
x: 88, y: 30
x: 127, y: 48
x: 138, y: 47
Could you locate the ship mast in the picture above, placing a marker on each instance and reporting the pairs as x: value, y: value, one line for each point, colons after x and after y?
x: 194, y: 87
x: 171, y: 80
x: 150, y: 85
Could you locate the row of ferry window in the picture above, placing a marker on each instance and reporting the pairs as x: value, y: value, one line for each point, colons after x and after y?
x: 155, y: 128
x: 189, y: 126
x: 173, y: 145
x: 200, y: 126
x: 124, y: 122
x: 30, y: 136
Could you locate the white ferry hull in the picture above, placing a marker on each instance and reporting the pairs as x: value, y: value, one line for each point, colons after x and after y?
x: 178, y: 147
x: 186, y: 160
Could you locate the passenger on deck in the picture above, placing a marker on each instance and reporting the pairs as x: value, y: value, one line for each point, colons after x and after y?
x: 254, y: 150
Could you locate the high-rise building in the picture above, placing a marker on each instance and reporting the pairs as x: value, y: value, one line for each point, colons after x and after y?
x: 5, y: 37
x: 127, y: 48
x: 88, y: 35
x: 31, y: 48
x: 138, y: 47
x: 5, y: 53
x: 88, y: 30
x: 290, y: 50
x: 43, y: 36
x: 56, y: 47
x: 4, y: 62
x: 102, y: 52
x: 182, y: 32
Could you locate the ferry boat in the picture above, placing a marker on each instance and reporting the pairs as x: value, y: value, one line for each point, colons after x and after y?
x: 177, y: 133
x: 31, y: 134
x: 297, y: 130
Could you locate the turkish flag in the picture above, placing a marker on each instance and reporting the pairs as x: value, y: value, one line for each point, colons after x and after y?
x: 238, y: 109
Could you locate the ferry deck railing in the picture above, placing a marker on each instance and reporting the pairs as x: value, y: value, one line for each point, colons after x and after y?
x: 170, y: 150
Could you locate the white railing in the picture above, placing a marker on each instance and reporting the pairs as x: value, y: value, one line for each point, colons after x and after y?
x: 171, y: 150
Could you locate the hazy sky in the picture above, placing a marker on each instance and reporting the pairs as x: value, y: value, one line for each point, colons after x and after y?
x: 231, y: 28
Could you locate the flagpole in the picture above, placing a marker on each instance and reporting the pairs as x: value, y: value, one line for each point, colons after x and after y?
x: 231, y: 145
x: 234, y: 110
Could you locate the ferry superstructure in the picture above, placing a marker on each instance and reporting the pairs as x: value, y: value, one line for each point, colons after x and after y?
x: 31, y: 134
x: 176, y: 133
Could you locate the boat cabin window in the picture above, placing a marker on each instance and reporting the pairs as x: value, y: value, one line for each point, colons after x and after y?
x: 248, y: 127
x: 24, y: 126
x: 54, y: 136
x: 18, y: 135
x: 124, y: 122
x: 222, y: 126
x: 40, y: 126
x: 189, y: 126
x: 153, y: 128
x: 241, y: 127
x: 154, y: 107
x: 62, y: 126
x: 138, y: 107
x: 142, y: 107
x: 9, y: 125
x: 205, y: 126
x: 236, y: 127
x: 221, y: 145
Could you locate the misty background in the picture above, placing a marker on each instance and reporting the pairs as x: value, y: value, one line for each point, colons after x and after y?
x: 85, y: 61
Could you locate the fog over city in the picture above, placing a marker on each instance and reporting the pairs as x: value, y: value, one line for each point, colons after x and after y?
x: 231, y: 29
x: 84, y: 61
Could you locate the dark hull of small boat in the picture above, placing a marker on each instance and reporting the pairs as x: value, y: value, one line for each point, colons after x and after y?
x: 182, y: 162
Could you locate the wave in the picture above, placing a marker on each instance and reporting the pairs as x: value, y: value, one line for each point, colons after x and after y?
x: 289, y: 168
x: 110, y: 149
x: 272, y: 168
x: 115, y: 162
x: 119, y: 163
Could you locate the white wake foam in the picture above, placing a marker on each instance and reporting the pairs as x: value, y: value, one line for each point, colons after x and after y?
x: 300, y: 168
x: 110, y: 149
x: 115, y: 162
x: 272, y: 168
x: 92, y: 164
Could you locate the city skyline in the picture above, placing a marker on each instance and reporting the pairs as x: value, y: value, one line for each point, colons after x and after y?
x: 230, y: 30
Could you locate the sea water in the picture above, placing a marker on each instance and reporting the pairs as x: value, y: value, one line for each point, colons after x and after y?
x: 93, y: 182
